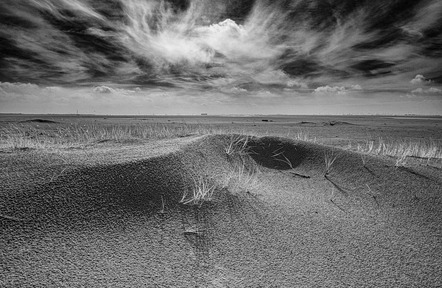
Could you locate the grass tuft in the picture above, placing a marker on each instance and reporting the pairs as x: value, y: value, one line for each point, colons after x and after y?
x: 329, y: 159
x: 242, y: 180
x: 237, y: 145
x: 202, y: 191
x: 364, y: 160
x: 426, y: 149
x: 400, y: 161
x: 302, y: 136
x: 25, y: 136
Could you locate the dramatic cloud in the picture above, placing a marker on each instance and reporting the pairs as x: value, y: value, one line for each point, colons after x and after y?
x: 18, y: 87
x: 109, y: 90
x: 195, y: 41
x: 104, y: 90
x: 431, y: 90
x: 329, y: 89
x: 232, y: 49
x: 336, y: 89
x: 419, y: 79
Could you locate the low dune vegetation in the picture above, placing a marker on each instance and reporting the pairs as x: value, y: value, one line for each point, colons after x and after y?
x: 225, y: 206
x: 238, y: 149
x: 17, y: 136
x: 427, y: 149
x: 22, y: 136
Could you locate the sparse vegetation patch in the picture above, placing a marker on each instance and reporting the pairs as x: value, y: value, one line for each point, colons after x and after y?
x: 19, y: 136
x: 329, y: 159
x: 202, y: 191
x: 427, y: 148
x: 237, y: 145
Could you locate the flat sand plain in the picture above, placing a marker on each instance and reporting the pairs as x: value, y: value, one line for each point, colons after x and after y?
x: 112, y: 213
x: 329, y: 129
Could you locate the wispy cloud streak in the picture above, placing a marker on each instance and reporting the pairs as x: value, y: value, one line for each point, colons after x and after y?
x: 302, y: 44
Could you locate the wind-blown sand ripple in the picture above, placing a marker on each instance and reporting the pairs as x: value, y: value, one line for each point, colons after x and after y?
x: 114, y: 218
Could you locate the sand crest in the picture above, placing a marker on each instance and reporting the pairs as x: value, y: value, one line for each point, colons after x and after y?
x: 278, y: 216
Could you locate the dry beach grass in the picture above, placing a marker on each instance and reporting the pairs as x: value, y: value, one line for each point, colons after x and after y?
x: 196, y: 204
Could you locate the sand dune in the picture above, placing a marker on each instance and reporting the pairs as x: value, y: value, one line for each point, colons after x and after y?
x: 113, y: 217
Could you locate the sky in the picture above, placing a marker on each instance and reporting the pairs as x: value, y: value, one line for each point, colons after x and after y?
x: 221, y: 57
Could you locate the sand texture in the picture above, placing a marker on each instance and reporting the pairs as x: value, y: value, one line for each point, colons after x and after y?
x: 110, y: 216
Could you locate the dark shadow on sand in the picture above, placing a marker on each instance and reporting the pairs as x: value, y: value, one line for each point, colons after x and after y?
x: 98, y: 194
x: 277, y: 153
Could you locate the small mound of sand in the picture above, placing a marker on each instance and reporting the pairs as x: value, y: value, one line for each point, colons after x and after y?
x: 327, y: 123
x: 114, y: 218
x: 38, y: 120
x: 336, y: 123
x: 307, y: 123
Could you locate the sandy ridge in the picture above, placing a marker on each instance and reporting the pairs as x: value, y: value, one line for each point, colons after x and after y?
x: 100, y: 224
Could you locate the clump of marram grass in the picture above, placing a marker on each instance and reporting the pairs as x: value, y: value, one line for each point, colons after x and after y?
x: 425, y: 148
x: 364, y: 160
x: 16, y: 137
x: 238, y: 145
x: 329, y: 159
x: 400, y: 161
x: 201, y: 191
x: 303, y: 136
x: 242, y: 179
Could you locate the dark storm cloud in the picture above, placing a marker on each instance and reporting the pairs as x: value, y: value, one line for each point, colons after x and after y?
x: 207, y: 43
